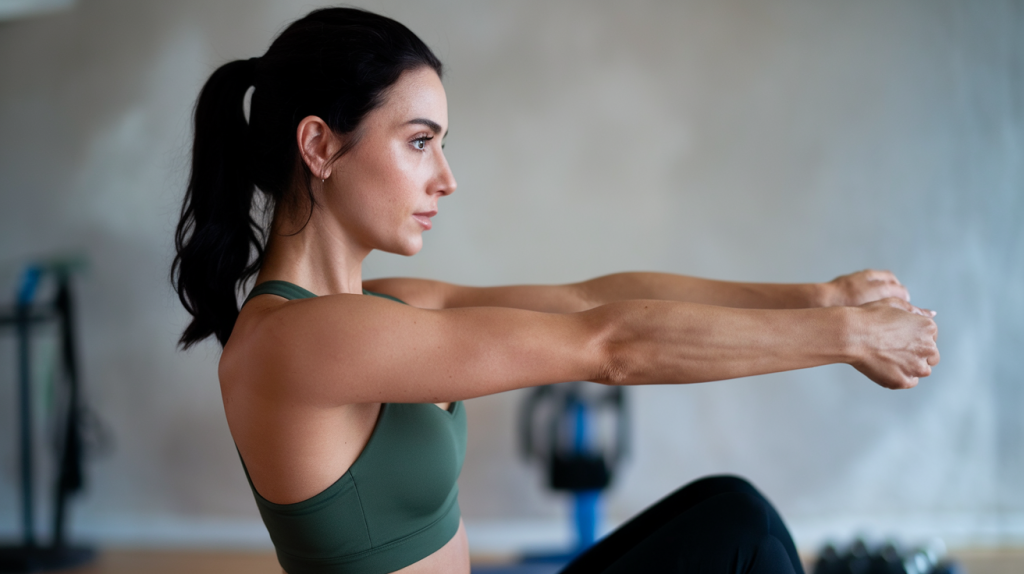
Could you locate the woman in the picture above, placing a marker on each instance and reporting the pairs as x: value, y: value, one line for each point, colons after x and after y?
x: 328, y: 380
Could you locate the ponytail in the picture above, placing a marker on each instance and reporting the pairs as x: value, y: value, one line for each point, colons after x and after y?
x: 216, y: 235
x: 336, y: 64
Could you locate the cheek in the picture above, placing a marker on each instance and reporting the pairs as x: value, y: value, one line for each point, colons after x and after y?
x: 401, y: 180
x: 383, y: 184
x: 372, y: 178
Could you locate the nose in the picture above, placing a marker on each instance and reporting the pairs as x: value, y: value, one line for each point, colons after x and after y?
x: 445, y: 182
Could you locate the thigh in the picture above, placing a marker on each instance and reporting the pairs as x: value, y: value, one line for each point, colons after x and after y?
x: 661, y: 526
x: 725, y: 534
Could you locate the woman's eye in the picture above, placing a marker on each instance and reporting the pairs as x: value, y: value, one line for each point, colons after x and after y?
x: 421, y: 143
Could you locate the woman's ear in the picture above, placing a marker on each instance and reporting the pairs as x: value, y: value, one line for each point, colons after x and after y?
x: 317, y: 145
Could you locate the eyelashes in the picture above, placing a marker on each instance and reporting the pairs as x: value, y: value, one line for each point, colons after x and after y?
x: 420, y: 142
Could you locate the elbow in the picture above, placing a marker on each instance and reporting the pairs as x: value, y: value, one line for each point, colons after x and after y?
x: 611, y: 349
x: 614, y: 369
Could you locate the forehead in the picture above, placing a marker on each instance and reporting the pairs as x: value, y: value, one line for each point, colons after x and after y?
x: 417, y: 94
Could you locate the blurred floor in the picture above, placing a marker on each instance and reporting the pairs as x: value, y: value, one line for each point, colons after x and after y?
x: 988, y: 561
x: 991, y: 561
x: 180, y: 562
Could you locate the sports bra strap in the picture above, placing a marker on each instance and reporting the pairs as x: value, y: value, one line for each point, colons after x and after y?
x: 291, y: 291
x: 383, y: 296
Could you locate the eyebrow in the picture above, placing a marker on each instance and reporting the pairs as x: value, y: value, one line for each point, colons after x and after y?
x: 434, y: 126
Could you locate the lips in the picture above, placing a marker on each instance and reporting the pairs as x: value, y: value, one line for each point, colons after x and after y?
x: 424, y: 218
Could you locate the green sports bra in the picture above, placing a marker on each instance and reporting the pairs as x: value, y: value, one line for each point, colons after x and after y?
x: 397, y: 503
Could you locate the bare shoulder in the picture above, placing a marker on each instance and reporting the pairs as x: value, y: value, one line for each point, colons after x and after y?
x: 352, y: 349
x: 271, y: 334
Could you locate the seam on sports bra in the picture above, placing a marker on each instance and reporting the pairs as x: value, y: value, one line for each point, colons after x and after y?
x: 362, y: 511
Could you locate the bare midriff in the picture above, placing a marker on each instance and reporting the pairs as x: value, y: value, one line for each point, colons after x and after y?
x: 452, y: 558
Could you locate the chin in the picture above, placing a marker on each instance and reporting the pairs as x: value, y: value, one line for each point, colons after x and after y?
x: 406, y: 248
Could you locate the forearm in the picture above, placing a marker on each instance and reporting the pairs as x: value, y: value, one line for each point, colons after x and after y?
x: 655, y: 342
x: 669, y: 287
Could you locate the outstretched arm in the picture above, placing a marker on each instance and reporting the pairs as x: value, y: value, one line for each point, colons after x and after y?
x: 346, y: 349
x: 848, y: 290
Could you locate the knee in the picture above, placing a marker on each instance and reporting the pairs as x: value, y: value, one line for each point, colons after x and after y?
x: 726, y: 480
x: 745, y: 514
x: 734, y: 526
x: 723, y: 483
x: 769, y: 555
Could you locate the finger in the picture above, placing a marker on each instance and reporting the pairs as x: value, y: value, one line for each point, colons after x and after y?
x: 897, y: 290
x: 881, y: 275
x: 922, y: 311
x: 926, y: 312
x: 901, y: 304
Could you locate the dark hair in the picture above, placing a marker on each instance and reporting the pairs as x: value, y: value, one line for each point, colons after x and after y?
x: 337, y: 64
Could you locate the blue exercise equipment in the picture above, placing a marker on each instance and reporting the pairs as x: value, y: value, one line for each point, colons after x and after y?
x: 579, y: 432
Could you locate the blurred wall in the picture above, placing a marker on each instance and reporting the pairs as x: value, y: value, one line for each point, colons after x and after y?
x: 746, y: 140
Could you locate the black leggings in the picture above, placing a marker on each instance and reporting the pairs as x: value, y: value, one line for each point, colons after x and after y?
x: 717, y: 524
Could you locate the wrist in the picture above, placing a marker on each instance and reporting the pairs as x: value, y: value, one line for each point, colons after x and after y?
x: 847, y: 337
x: 821, y: 294
x: 827, y: 295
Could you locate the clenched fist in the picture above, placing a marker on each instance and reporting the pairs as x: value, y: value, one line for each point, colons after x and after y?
x: 893, y: 342
x: 863, y: 287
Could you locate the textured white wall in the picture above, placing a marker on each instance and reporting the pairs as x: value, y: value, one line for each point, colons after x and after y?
x: 778, y: 141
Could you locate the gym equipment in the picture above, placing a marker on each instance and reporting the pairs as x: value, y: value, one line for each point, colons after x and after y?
x: 579, y: 431
x: 30, y: 555
x: 525, y: 568
x: 888, y: 558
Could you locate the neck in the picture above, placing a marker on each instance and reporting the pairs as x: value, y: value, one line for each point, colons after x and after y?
x: 320, y: 257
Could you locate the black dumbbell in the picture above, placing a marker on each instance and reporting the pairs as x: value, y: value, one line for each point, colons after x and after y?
x: 858, y: 558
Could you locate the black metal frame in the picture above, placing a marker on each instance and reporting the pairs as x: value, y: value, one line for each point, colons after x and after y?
x: 30, y: 555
